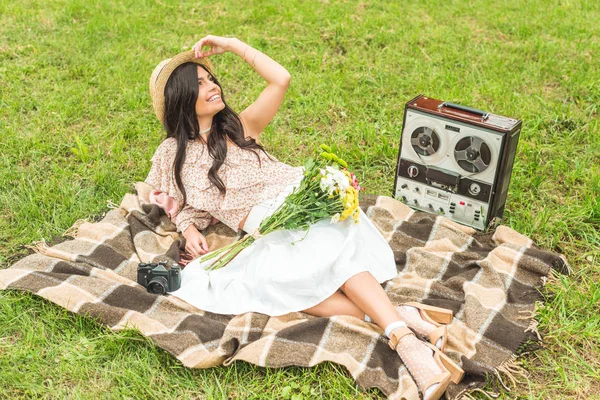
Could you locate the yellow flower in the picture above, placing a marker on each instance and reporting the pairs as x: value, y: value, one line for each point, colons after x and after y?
x: 345, y: 214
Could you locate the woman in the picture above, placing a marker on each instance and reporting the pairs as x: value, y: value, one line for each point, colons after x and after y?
x: 212, y: 164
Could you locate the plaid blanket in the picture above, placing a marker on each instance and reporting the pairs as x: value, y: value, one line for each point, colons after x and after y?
x: 490, y: 281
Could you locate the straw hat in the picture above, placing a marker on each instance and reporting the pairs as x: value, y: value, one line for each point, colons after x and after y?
x: 161, y: 74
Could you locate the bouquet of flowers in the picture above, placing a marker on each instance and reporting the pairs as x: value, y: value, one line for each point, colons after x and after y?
x: 328, y: 190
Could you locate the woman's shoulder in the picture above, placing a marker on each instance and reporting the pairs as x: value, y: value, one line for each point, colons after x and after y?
x: 166, y: 150
x: 168, y: 145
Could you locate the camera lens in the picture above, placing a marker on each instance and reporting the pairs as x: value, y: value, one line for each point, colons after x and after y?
x: 158, y: 285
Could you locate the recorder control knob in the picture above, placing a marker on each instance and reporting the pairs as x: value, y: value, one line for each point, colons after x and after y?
x: 413, y: 171
x: 474, y: 189
x: 404, y: 186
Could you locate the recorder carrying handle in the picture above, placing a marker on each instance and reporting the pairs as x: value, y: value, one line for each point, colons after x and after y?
x: 484, y: 114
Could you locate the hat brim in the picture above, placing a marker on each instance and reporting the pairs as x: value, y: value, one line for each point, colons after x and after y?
x: 161, y: 74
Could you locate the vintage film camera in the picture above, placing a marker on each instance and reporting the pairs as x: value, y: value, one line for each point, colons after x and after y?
x: 156, y: 278
x: 455, y: 161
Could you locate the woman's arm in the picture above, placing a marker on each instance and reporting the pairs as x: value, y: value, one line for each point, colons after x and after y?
x: 191, y: 216
x: 260, y: 113
x: 190, y: 221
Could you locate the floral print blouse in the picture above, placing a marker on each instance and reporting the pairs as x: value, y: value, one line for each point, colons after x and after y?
x: 248, y: 182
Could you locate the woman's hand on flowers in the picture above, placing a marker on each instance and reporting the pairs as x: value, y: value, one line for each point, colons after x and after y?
x: 195, y: 242
x: 217, y: 44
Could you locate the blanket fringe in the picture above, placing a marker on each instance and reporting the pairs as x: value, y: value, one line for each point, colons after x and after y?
x: 529, y: 314
x: 488, y: 394
x: 39, y: 247
x: 533, y: 323
x: 110, y: 204
x: 533, y: 327
x: 553, y: 277
x: 569, y: 269
x: 507, y: 370
x: 510, y: 370
x: 74, y: 230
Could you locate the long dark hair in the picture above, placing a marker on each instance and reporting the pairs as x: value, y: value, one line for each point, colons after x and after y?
x: 181, y: 123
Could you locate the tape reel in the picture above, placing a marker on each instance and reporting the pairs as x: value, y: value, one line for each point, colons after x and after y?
x: 427, y: 141
x: 472, y: 154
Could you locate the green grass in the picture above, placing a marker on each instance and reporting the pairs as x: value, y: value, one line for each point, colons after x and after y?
x: 77, y: 129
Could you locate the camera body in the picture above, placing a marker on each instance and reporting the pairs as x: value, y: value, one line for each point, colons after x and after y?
x: 157, y: 279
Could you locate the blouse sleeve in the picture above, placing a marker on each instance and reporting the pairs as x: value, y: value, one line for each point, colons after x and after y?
x: 161, y: 178
x: 190, y: 215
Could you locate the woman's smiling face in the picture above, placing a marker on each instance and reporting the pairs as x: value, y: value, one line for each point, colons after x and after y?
x: 209, y: 95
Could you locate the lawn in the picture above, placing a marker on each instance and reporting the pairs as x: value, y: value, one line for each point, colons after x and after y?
x: 77, y: 130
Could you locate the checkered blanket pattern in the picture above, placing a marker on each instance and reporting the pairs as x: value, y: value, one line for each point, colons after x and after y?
x: 491, y: 282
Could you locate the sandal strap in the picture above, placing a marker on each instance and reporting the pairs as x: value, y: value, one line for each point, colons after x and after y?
x: 438, y: 333
x: 398, y: 334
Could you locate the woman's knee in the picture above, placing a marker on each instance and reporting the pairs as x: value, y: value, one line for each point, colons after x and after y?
x: 336, y: 304
x: 351, y: 280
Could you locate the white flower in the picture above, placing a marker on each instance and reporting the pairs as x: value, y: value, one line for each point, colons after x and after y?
x: 335, y: 218
x: 327, y: 184
x: 343, y: 183
x: 332, y: 179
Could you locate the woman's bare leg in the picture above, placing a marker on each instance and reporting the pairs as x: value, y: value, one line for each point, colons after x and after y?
x: 336, y: 304
x: 368, y: 295
x: 363, y: 291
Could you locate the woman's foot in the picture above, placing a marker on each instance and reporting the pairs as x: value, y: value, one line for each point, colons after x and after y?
x: 426, y: 321
x: 431, y: 372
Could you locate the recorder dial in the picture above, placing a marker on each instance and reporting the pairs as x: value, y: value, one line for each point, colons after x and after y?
x: 413, y: 171
x: 474, y: 189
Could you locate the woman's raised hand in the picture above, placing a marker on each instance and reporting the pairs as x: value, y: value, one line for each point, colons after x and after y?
x: 217, y: 44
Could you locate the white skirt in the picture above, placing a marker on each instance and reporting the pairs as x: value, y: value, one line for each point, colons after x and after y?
x: 274, y: 277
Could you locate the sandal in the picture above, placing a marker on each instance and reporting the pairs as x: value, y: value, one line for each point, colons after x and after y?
x: 455, y: 371
x: 437, y: 317
x: 451, y: 371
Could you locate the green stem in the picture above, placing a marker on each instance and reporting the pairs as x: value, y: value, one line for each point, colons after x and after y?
x: 230, y: 254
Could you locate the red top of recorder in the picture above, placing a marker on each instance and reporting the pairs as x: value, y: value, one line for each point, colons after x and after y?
x: 462, y: 113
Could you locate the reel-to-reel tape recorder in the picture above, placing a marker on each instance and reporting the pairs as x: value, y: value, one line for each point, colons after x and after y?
x: 455, y: 161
